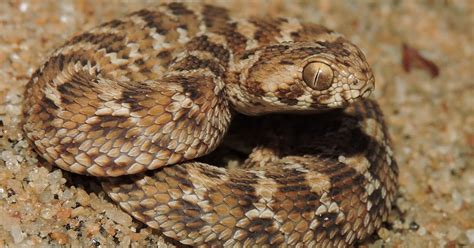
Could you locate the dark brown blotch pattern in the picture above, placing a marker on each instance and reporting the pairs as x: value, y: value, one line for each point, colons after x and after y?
x: 267, y: 30
x: 202, y: 43
x: 214, y: 16
x: 193, y: 63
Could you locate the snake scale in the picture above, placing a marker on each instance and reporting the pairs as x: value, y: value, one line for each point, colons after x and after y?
x: 139, y: 100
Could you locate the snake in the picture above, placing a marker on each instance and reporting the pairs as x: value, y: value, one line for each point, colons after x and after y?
x: 141, y: 102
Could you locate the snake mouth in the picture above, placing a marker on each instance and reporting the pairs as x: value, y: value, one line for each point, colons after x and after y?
x: 349, y: 89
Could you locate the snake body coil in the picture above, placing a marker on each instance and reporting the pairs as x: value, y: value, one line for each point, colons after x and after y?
x: 159, y: 88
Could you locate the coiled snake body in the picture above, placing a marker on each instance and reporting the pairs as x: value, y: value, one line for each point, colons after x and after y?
x: 158, y: 88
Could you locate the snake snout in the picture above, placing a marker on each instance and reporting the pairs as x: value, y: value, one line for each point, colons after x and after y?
x: 369, y: 87
x: 358, y: 89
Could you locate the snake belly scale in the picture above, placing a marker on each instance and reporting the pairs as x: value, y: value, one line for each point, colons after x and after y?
x: 137, y: 100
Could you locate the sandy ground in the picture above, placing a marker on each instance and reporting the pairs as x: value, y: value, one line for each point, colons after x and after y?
x: 431, y: 120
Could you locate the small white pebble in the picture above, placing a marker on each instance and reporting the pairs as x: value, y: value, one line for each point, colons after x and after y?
x: 78, y: 211
x: 457, y: 200
x: 45, y: 196
x: 384, y: 233
x: 453, y: 233
x: 17, y: 234
x: 14, y: 57
x: 55, y: 176
x: 118, y: 216
x: 421, y: 231
x: 24, y: 7
x: 3, y: 193
x: 439, y: 235
x: 64, y: 19
x: 47, y: 213
x: 12, y: 96
x: 67, y: 194
x: 341, y: 159
x: 470, y: 235
x: 38, y: 179
x: 125, y: 242
x: 10, y: 161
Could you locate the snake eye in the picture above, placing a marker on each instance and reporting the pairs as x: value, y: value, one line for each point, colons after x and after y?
x: 318, y: 75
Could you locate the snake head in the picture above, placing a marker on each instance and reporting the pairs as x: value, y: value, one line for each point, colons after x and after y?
x: 304, y: 77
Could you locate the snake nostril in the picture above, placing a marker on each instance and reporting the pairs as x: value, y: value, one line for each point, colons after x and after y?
x: 318, y: 75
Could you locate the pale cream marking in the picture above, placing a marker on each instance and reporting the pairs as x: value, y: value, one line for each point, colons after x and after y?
x: 115, y: 60
x: 247, y: 29
x: 86, y: 46
x: 158, y: 69
x: 293, y: 25
x: 218, y: 39
x: 63, y: 76
x: 200, y: 180
x: 273, y: 81
x: 359, y: 162
x: 328, y: 37
x: 159, y: 41
x: 318, y: 182
x: 134, y: 51
x: 373, y: 128
x: 265, y: 188
x: 183, y: 36
x: 205, y: 55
